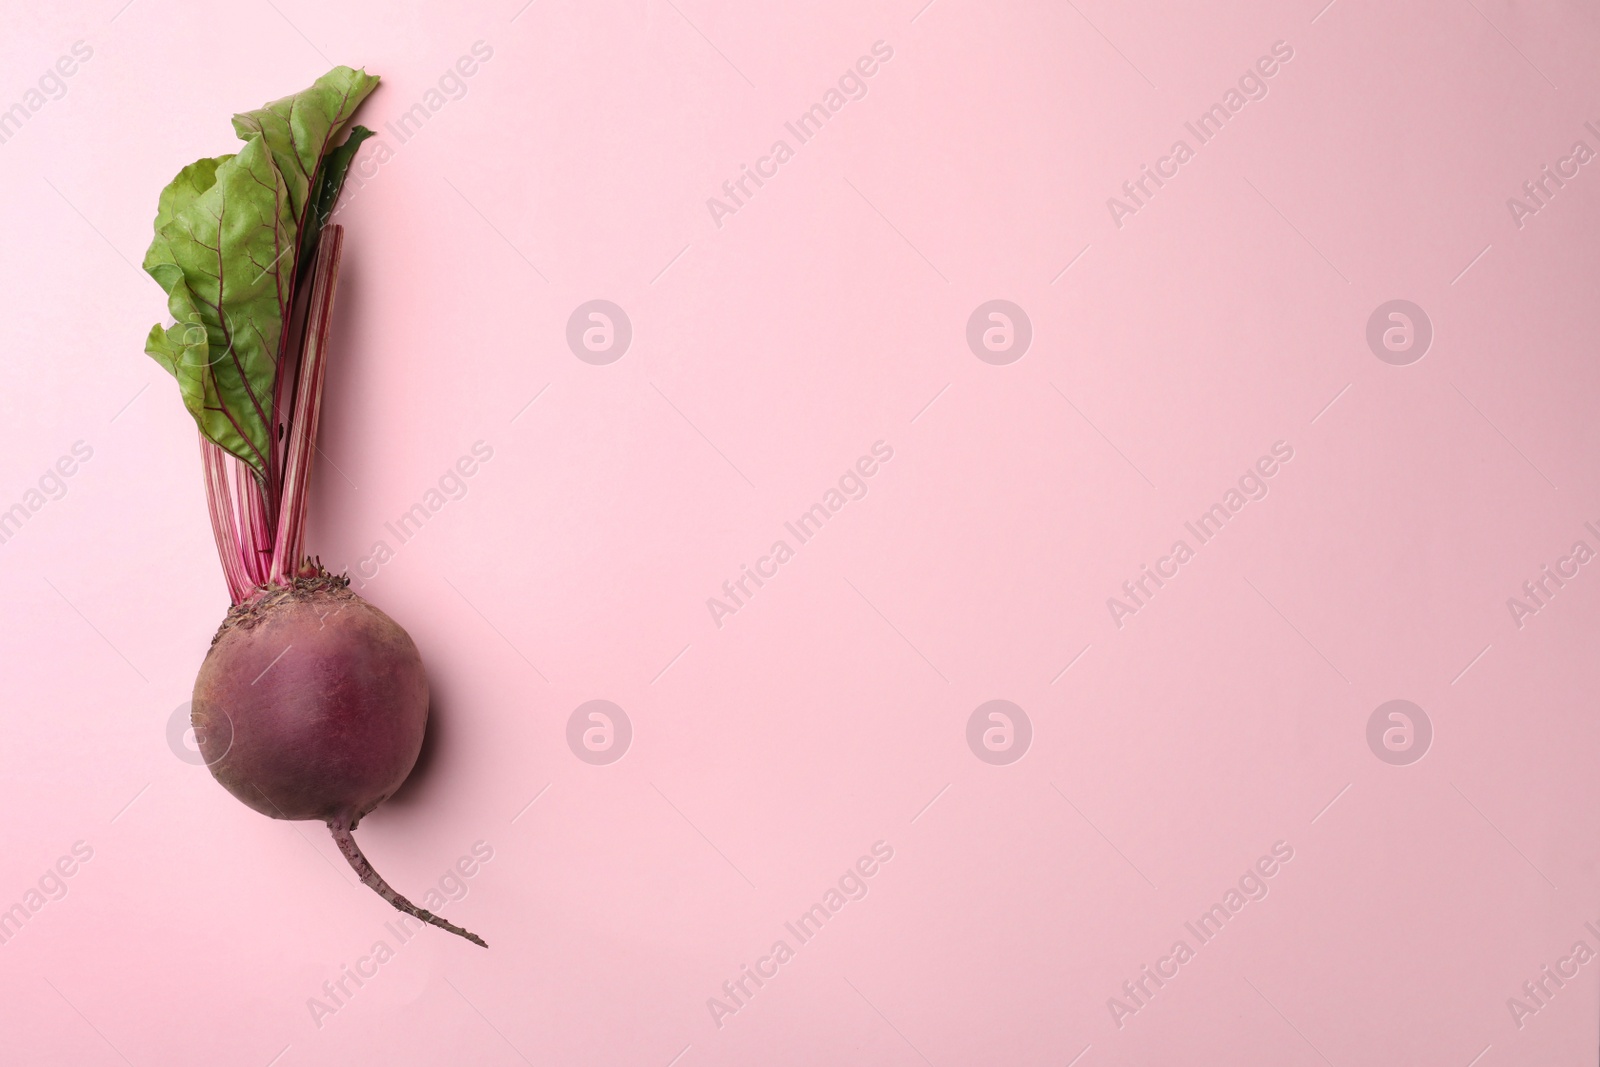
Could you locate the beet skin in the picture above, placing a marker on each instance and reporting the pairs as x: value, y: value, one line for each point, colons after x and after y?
x: 312, y: 704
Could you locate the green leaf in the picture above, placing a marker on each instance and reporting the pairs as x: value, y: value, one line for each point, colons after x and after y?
x: 301, y: 129
x: 331, y: 179
x: 234, y: 235
x: 225, y: 253
x: 179, y: 194
x: 191, y: 181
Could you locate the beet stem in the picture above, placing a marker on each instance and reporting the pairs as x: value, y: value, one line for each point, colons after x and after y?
x: 256, y: 539
x: 223, y: 525
x: 374, y: 881
x: 302, y: 441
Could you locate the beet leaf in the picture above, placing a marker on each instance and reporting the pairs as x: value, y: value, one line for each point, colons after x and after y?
x: 224, y: 253
x: 235, y: 236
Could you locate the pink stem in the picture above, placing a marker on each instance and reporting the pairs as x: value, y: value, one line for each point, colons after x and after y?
x: 219, y: 503
x: 255, y: 535
x: 287, y: 550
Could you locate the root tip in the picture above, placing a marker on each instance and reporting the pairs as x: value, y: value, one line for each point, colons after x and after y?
x: 341, y: 828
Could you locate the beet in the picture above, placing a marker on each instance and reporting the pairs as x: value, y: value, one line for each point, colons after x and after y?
x: 311, y: 704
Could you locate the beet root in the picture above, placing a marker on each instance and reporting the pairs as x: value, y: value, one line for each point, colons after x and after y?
x: 312, y: 704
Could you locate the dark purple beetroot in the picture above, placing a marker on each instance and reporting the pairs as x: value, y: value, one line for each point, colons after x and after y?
x: 311, y: 704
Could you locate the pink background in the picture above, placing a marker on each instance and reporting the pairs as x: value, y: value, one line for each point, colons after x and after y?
x: 830, y: 713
